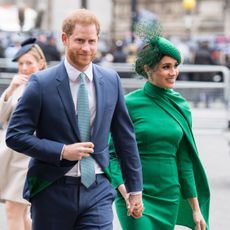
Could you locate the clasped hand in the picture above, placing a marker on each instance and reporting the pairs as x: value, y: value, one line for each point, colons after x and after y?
x: 133, y: 202
x: 134, y: 205
x: 77, y: 151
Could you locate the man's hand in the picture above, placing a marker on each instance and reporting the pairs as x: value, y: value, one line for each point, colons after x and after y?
x: 135, y: 207
x: 77, y: 151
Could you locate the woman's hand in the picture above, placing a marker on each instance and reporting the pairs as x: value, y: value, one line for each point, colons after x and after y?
x: 199, y: 220
x: 18, y: 80
x: 196, y: 213
x: 124, y: 194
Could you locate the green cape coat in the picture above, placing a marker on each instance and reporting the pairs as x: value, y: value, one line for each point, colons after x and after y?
x: 177, y: 107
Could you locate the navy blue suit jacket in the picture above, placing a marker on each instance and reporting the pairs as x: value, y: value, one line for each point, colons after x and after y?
x: 45, y: 119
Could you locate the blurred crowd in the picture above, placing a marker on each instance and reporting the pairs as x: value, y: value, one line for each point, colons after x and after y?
x: 209, y: 50
x: 215, y: 51
x: 10, y: 43
x: 201, y: 50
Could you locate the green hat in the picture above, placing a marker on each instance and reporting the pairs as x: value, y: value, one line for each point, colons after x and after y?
x: 155, y: 48
x: 167, y: 48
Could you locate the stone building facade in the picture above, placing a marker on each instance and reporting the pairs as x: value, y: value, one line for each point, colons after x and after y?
x: 207, y: 17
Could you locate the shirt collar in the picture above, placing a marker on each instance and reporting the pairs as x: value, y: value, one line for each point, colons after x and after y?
x: 74, y: 73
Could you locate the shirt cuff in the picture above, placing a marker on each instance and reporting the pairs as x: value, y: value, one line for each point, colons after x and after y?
x: 135, y: 193
x: 62, y: 151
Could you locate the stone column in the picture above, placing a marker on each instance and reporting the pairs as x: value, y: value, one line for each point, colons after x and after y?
x: 227, y: 18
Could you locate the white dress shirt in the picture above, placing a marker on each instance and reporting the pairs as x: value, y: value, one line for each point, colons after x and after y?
x: 73, y: 75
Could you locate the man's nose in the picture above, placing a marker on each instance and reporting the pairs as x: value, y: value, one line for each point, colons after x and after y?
x: 85, y: 46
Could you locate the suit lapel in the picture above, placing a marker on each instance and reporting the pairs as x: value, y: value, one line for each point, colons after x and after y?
x: 66, y: 98
x: 100, y: 95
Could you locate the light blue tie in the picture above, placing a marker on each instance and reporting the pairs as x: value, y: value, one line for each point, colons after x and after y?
x: 87, y: 163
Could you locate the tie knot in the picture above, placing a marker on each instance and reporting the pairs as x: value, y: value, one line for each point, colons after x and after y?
x: 82, y: 76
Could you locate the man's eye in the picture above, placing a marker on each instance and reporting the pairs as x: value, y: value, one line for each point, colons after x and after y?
x: 80, y: 41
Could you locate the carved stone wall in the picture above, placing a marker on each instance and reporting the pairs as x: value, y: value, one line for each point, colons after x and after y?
x: 208, y: 17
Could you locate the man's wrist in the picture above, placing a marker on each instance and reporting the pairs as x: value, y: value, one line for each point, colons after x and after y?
x: 62, y: 151
x: 135, y: 193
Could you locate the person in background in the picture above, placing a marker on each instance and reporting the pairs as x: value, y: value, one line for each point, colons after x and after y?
x: 14, y: 44
x: 48, y: 126
x: 203, y: 54
x: 49, y: 47
x: 119, y: 55
x: 227, y: 61
x: 53, y: 54
x: 2, y: 55
x: 14, y: 165
x: 2, y: 50
x: 176, y: 189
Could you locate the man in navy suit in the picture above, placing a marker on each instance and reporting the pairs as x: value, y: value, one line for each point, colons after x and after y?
x: 44, y: 126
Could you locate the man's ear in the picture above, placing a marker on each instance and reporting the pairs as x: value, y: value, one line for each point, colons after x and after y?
x: 64, y: 38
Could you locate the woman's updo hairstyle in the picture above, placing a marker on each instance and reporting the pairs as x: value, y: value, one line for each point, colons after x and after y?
x: 154, y: 48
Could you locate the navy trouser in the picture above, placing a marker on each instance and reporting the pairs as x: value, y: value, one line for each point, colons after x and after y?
x: 68, y: 205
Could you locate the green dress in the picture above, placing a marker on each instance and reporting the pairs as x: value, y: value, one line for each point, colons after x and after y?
x: 172, y: 171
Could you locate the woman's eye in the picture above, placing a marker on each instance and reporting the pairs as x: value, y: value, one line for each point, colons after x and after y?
x: 165, y: 67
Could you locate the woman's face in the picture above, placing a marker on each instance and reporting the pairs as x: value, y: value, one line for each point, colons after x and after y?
x: 27, y: 64
x: 164, y: 75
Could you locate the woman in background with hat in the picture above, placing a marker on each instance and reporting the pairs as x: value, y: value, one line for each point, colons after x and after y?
x: 30, y: 59
x: 176, y: 189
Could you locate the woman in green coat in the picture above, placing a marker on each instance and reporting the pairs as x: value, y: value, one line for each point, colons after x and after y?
x: 176, y: 189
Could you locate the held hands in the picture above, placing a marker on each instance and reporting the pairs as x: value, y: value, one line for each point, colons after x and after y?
x: 199, y: 220
x: 135, y: 207
x: 133, y: 202
x: 77, y: 151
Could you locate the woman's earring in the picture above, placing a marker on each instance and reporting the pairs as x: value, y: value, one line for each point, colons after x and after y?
x: 149, y: 74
